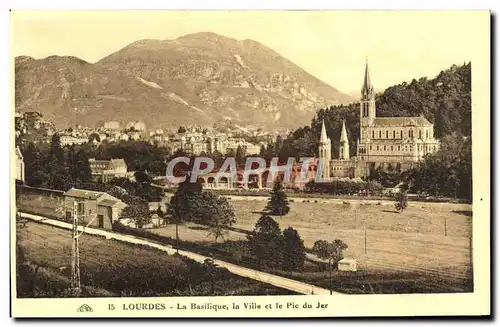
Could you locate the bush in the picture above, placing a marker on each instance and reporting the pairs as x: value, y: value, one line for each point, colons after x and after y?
x: 331, y: 251
x: 401, y: 199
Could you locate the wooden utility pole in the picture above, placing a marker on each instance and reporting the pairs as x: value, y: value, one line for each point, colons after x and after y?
x: 331, y: 268
x: 365, y: 239
x: 75, y: 262
x: 445, y: 231
x: 471, y: 263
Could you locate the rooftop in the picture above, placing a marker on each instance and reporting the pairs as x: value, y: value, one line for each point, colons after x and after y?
x: 84, y: 194
x: 401, y: 121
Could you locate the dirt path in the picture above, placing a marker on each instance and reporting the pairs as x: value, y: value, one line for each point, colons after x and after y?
x: 260, y: 276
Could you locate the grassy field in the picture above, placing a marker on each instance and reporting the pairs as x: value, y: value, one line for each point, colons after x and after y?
x: 397, y: 244
x: 119, y: 268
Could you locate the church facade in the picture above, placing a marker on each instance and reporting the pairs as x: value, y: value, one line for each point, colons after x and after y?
x: 401, y: 141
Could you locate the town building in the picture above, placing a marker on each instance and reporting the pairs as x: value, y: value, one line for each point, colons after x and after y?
x: 19, y: 164
x: 112, y: 125
x: 399, y: 141
x: 71, y: 139
x: 106, y: 170
x: 94, y: 209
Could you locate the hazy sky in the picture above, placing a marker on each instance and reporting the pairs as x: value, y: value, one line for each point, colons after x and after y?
x: 331, y: 45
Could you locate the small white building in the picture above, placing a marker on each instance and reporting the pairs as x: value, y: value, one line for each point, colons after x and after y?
x: 19, y: 164
x: 347, y: 264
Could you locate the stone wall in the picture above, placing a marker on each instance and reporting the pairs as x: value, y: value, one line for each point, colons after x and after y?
x: 40, y: 201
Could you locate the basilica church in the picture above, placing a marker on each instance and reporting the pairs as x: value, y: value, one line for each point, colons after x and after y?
x: 399, y: 141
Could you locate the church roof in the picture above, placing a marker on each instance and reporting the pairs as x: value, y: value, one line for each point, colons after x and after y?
x: 401, y: 121
x: 117, y: 163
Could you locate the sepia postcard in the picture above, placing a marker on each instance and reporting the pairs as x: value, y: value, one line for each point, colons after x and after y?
x: 250, y: 163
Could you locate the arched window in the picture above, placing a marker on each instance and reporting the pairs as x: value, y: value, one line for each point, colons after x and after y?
x: 379, y: 134
x: 386, y: 134
x: 392, y: 148
x: 419, y: 133
x: 384, y: 148
x: 399, y: 147
x: 373, y: 134
x: 370, y: 147
x: 401, y: 133
x: 393, y: 134
x: 426, y: 133
x: 377, y: 148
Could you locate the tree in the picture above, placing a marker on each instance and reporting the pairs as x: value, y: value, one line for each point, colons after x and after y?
x: 184, y: 205
x: 36, y: 169
x: 137, y: 209
x: 59, y: 177
x: 331, y: 252
x: 401, y: 200
x: 294, y: 250
x: 240, y: 155
x: 278, y: 203
x: 78, y: 166
x: 181, y: 130
x: 217, y: 213
x: 142, y: 177
x: 94, y: 137
x: 266, y: 242
x: 212, y: 271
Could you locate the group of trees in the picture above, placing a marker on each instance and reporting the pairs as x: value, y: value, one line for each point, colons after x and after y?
x: 57, y: 167
x: 191, y: 203
x: 388, y: 176
x: 276, y: 249
x: 448, y: 172
x: 51, y: 166
x: 340, y: 187
x: 139, y: 155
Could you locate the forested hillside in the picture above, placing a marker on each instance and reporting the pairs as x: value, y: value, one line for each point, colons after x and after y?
x: 444, y: 101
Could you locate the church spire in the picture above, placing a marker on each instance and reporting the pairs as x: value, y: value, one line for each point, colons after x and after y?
x: 323, y: 138
x: 343, y: 134
x: 367, y: 90
x: 344, y: 144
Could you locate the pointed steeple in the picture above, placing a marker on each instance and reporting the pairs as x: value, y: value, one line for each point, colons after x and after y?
x: 343, y: 134
x: 323, y: 138
x: 367, y: 90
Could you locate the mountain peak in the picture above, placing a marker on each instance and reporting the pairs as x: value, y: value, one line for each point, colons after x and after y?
x: 205, y: 36
x: 197, y: 78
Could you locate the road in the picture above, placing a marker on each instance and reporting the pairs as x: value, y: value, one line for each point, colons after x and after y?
x: 282, y: 282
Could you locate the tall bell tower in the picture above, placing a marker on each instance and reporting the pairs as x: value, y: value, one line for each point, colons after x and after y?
x: 367, y: 105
